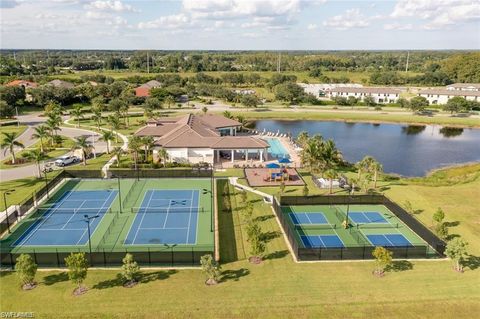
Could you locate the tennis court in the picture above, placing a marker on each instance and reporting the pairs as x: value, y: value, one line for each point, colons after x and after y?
x: 389, y: 240
x: 324, y: 241
x: 64, y: 222
x: 165, y: 217
x: 367, y: 217
x: 308, y: 218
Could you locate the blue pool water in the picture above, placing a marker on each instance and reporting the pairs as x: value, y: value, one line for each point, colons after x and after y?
x: 276, y: 149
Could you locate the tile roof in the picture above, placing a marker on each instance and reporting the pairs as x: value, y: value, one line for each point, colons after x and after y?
x: 61, y: 84
x: 196, y: 131
x: 22, y: 83
x: 151, y: 84
x: 370, y: 90
x: 450, y: 92
x: 464, y: 85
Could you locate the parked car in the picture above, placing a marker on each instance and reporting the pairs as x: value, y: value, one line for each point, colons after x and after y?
x: 66, y: 160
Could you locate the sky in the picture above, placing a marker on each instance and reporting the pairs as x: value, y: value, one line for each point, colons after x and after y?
x: 240, y: 24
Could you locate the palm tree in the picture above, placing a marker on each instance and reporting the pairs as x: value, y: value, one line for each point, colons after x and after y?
x: 77, y: 114
x: 376, y: 167
x: 242, y: 121
x: 124, y: 111
x: 227, y: 114
x: 331, y: 174
x: 97, y: 117
x: 9, y: 143
x: 37, y: 156
x: 311, y: 155
x: 115, y: 124
x: 164, y: 155
x: 117, y: 152
x: 169, y: 100
x: 82, y: 143
x: 302, y: 138
x: 41, y: 132
x: 134, y: 146
x: 204, y: 110
x: 53, y: 124
x: 148, y: 144
x: 332, y: 156
x: 107, y: 136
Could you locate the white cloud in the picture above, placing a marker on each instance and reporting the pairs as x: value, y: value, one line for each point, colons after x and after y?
x: 110, y: 5
x: 167, y: 22
x: 398, y: 26
x: 312, y: 26
x: 352, y: 18
x: 438, y: 13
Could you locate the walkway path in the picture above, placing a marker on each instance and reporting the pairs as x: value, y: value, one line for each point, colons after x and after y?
x: 234, y: 182
x: 114, y: 158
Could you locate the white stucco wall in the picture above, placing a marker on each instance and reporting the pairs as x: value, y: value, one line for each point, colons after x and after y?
x: 378, y: 97
x: 443, y: 99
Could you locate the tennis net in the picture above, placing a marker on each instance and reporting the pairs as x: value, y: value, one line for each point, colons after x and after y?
x: 315, y: 226
x: 377, y: 226
x: 165, y: 210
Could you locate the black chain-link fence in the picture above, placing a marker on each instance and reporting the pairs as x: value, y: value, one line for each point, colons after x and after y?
x: 360, y: 251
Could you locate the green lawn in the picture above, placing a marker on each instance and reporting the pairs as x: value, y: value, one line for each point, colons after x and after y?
x: 13, y: 129
x: 361, y: 117
x: 22, y: 188
x: 278, y: 288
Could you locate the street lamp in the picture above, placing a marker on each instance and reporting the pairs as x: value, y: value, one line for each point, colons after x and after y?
x: 5, y: 193
x: 46, y: 181
x: 204, y: 192
x: 87, y: 220
x: 119, y: 192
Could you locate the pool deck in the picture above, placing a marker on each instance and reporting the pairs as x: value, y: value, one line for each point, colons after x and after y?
x: 260, y: 177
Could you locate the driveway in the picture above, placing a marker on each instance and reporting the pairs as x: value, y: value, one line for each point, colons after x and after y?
x: 31, y: 170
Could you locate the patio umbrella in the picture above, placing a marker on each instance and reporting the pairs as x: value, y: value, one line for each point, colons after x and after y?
x: 272, y: 165
x: 284, y: 160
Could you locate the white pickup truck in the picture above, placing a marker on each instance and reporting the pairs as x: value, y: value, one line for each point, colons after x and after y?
x: 66, y: 160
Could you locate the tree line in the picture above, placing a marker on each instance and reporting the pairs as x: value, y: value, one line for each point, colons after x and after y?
x: 447, y: 65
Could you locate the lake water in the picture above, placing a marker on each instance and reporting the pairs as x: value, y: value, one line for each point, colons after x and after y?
x: 402, y: 149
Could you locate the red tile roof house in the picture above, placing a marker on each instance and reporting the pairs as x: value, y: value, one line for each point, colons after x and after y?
x: 203, y: 139
x: 24, y: 83
x: 144, y: 89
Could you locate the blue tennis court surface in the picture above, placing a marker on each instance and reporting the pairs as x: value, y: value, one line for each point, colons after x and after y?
x: 308, y: 218
x: 63, y: 224
x: 389, y: 240
x: 367, y: 217
x: 166, y: 217
x: 323, y: 241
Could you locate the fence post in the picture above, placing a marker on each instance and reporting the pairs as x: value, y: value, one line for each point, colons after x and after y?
x: 58, y: 257
x: 171, y: 249
x: 193, y: 258
x: 11, y: 260
x: 104, y: 259
x: 341, y: 253
x: 35, y: 256
x: 363, y: 254
x: 149, y: 257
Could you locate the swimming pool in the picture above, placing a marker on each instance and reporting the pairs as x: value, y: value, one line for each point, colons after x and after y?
x: 276, y: 149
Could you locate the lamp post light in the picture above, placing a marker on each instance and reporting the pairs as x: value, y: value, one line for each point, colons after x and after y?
x: 5, y: 193
x: 87, y: 220
x: 46, y: 181
x: 204, y: 192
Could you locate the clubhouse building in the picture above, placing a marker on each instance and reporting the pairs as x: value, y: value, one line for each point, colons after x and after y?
x: 206, y: 138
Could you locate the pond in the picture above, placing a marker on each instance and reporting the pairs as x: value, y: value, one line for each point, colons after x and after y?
x: 409, y: 150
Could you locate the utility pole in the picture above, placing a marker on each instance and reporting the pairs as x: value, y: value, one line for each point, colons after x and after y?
x: 148, y: 64
x: 408, y: 57
x: 279, y: 62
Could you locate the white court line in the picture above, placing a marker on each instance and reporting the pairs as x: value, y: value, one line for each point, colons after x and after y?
x: 98, y: 212
x: 168, y: 210
x: 309, y: 220
x: 46, y: 217
x: 190, y: 216
x: 159, y: 228
x: 143, y: 216
x: 74, y: 213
